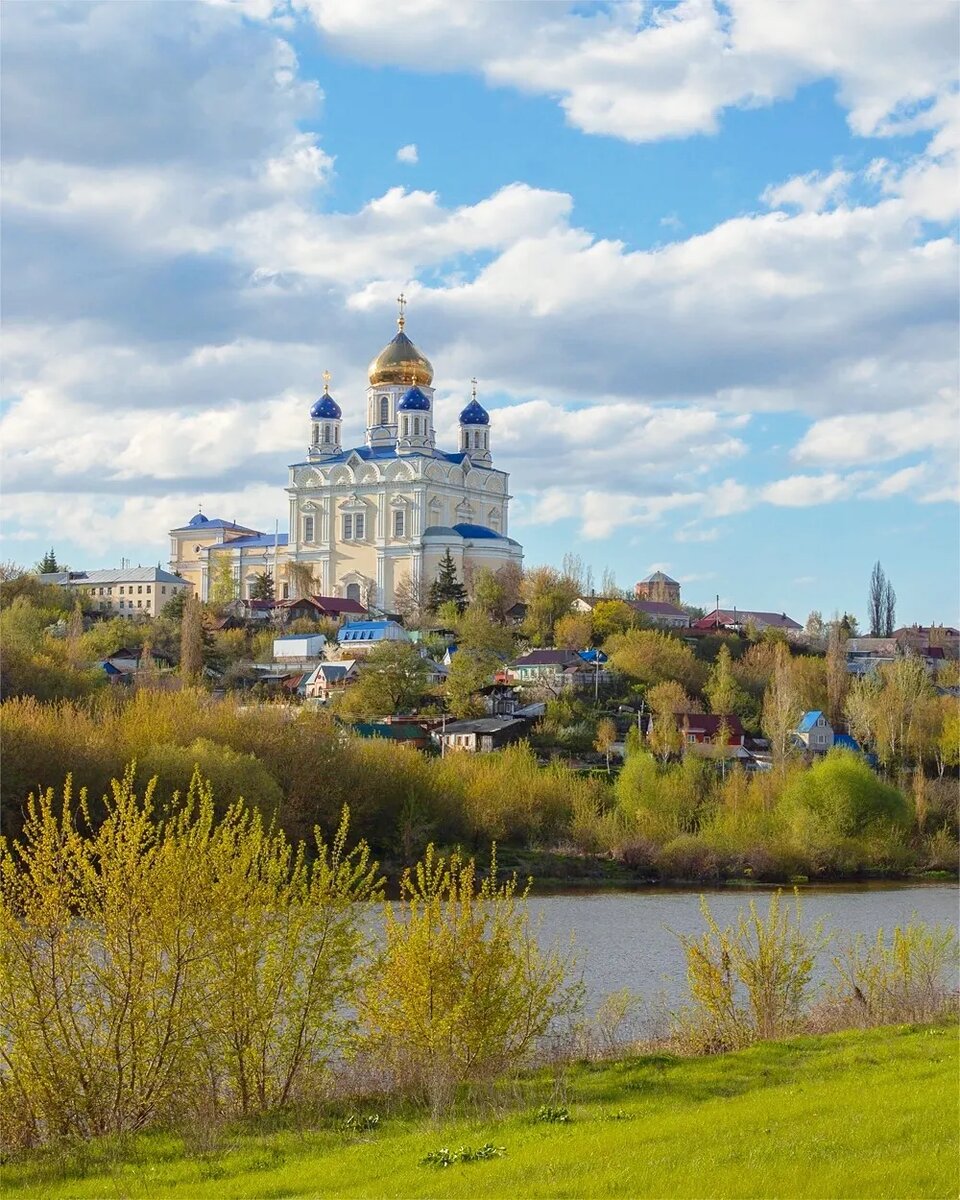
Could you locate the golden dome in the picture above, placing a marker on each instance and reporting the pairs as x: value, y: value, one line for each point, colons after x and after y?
x: 401, y: 362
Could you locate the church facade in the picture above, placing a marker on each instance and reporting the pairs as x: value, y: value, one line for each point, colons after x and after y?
x: 370, y: 522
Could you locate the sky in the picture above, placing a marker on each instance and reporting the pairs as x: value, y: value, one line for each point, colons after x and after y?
x: 701, y: 257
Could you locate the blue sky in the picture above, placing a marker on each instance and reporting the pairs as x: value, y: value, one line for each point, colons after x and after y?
x: 702, y: 257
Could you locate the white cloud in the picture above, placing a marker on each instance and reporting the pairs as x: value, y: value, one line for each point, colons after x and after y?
x: 408, y: 154
x: 873, y: 438
x: 812, y: 192
x: 644, y: 71
x: 805, y: 491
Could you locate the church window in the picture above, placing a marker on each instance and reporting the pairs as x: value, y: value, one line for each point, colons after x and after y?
x: 477, y: 440
x: 308, y: 529
x: 285, y: 591
x: 316, y: 431
x: 406, y: 426
x: 358, y: 526
x: 353, y: 593
x: 326, y: 434
x: 347, y: 527
x: 416, y: 425
x: 163, y: 589
x: 398, y: 522
x: 384, y: 410
x: 148, y: 589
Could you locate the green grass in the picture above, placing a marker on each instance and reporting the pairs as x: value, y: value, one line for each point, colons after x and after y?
x: 863, y: 1114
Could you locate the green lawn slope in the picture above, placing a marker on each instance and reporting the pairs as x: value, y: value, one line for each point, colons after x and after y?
x: 862, y: 1114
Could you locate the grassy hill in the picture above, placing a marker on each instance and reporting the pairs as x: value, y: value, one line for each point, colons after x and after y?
x: 864, y: 1114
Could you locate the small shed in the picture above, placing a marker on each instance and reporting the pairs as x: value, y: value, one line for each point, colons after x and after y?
x: 299, y: 645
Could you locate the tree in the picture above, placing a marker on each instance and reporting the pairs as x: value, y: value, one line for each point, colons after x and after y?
x: 881, y: 603
x: 263, y: 587
x: 447, y: 585
x: 224, y: 586
x: 477, y: 630
x: 669, y: 697
x: 721, y: 690
x: 74, y: 634
x: 610, y: 617
x: 392, y: 680
x: 191, y: 640
x: 606, y: 737
x: 849, y: 625
x: 838, y: 677
x: 487, y: 592
x: 410, y: 599
x: 650, y: 656
x: 815, y: 627
x: 470, y: 670
x: 173, y: 609
x: 48, y: 565
x: 574, y: 631
x: 301, y: 580
x: 781, y: 707
x: 548, y: 595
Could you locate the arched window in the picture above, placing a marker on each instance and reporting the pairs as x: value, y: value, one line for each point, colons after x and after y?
x: 477, y: 440
x: 326, y: 434
x: 384, y: 410
x: 316, y: 432
x: 416, y: 425
x: 406, y: 426
x: 353, y: 591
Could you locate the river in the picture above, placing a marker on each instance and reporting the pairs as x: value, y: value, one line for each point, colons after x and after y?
x: 628, y: 939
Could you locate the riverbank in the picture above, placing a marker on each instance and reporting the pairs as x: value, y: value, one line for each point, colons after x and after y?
x: 860, y: 1114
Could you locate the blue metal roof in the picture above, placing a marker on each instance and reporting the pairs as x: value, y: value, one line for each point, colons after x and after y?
x: 381, y: 453
x: 414, y: 401
x: 809, y: 720
x: 846, y: 742
x: 475, y: 531
x: 474, y: 414
x: 200, y: 520
x: 257, y: 540
x: 326, y: 408
x: 592, y: 656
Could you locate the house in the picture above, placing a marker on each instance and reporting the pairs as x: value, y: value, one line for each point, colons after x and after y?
x: 659, y: 588
x: 704, y: 728
x: 516, y: 614
x: 326, y: 679
x: 481, y: 735
x: 360, y: 637
x: 500, y: 700
x: 737, y: 619
x: 661, y: 612
x: 299, y: 645
x: 314, y: 608
x: 405, y: 733
x: 127, y: 592
x: 814, y: 732
x: 543, y: 667
x: 926, y: 639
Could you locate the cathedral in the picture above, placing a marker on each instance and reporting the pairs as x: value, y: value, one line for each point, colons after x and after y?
x: 370, y: 521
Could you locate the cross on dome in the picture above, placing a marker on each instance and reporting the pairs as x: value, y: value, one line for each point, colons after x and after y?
x: 326, y: 382
x: 402, y: 301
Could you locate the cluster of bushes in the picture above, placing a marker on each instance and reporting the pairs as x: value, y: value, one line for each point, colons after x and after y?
x: 675, y: 820
x: 166, y: 965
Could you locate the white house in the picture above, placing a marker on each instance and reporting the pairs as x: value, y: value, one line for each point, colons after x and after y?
x: 299, y: 645
x: 815, y: 732
x: 361, y: 637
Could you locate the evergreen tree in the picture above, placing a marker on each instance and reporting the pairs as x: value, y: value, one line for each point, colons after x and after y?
x: 263, y: 588
x: 48, y: 564
x: 447, y: 586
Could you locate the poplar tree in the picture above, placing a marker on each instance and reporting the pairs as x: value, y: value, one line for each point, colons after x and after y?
x: 191, y: 640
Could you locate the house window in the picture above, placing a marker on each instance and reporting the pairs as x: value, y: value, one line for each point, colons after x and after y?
x: 139, y: 589
x: 398, y: 523
x: 347, y: 527
x: 692, y: 738
x: 384, y: 410
x: 121, y: 590
x: 308, y: 529
x: 148, y: 589
x: 139, y: 604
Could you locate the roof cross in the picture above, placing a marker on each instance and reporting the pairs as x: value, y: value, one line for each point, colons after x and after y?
x: 326, y: 381
x: 473, y: 383
x: 402, y: 301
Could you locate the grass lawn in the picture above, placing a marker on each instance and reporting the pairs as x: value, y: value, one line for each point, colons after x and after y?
x: 863, y: 1114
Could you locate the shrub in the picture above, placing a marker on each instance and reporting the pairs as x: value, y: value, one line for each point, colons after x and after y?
x: 156, y: 964
x: 845, y: 795
x: 688, y: 857
x: 460, y: 991
x: 748, y: 981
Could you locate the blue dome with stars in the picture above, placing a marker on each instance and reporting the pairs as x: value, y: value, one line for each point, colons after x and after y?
x: 414, y: 401
x: 474, y: 414
x: 326, y: 409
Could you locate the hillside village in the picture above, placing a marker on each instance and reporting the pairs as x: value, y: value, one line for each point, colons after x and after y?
x: 500, y: 658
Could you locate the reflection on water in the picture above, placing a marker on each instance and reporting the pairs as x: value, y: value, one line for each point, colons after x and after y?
x: 624, y: 939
